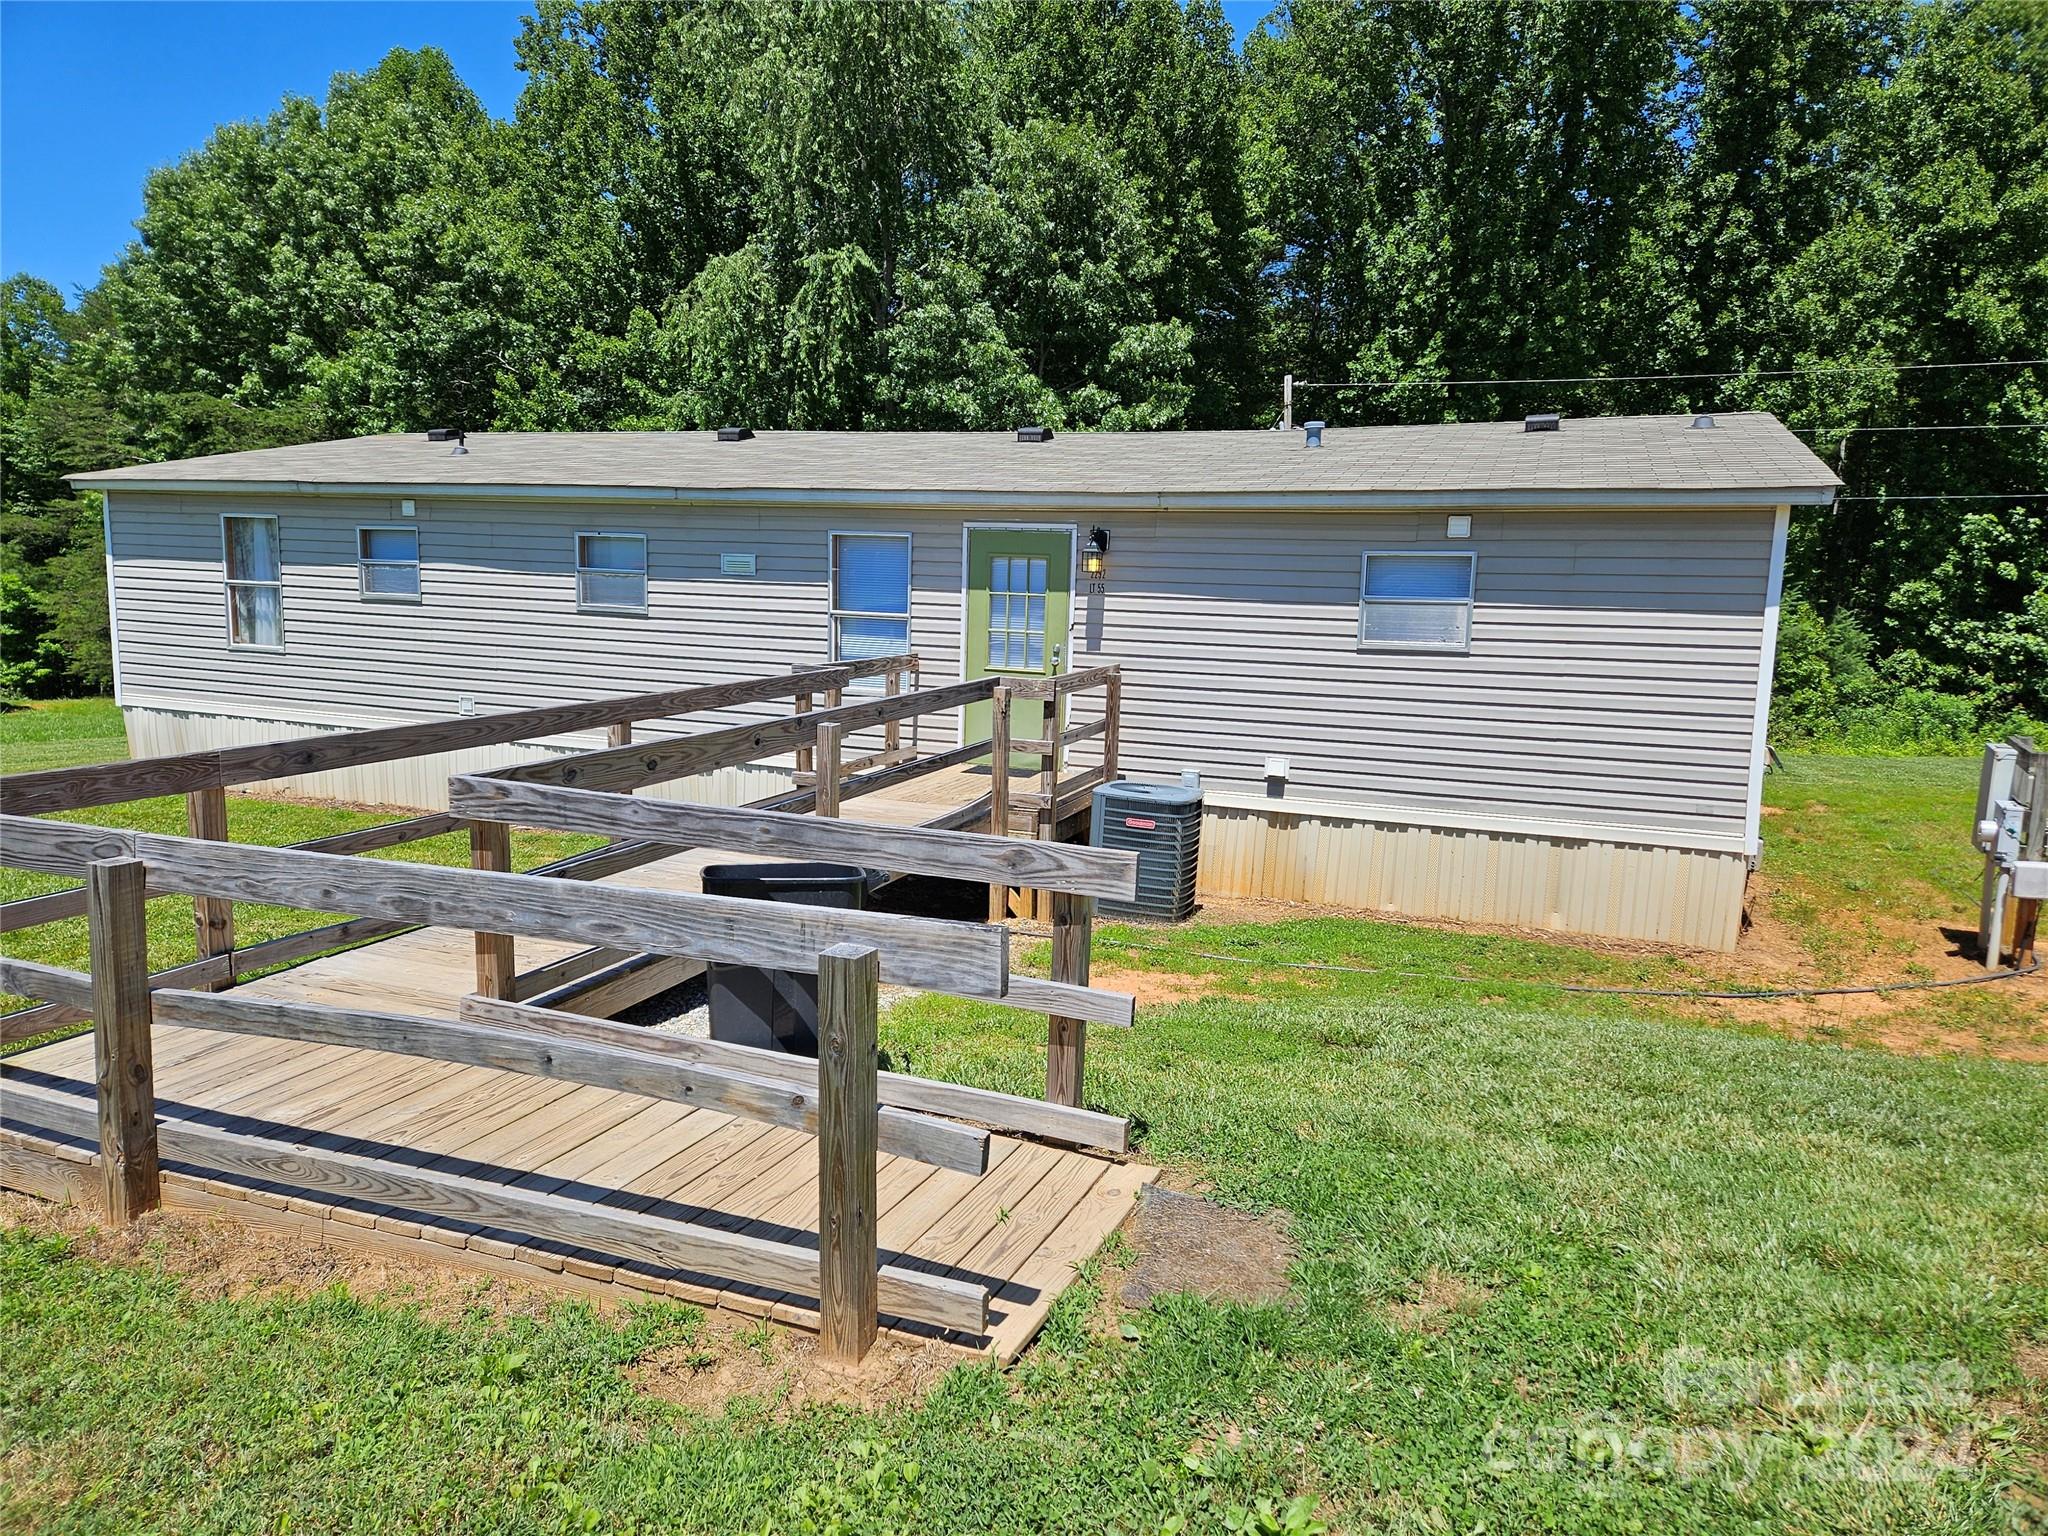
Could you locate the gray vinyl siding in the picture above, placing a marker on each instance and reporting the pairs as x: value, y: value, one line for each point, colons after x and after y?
x: 1611, y: 677
x: 497, y: 618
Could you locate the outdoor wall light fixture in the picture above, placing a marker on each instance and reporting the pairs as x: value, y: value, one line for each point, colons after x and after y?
x: 1094, y: 554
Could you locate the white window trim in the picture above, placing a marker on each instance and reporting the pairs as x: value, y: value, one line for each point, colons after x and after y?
x: 229, y: 583
x: 576, y: 553
x: 364, y: 562
x: 1464, y: 647
x: 834, y: 613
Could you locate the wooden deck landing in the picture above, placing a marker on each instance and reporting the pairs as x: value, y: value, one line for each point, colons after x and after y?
x: 429, y: 970
x: 1021, y: 1228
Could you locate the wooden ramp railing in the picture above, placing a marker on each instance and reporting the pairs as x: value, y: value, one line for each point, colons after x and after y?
x: 855, y: 1111
x: 204, y: 777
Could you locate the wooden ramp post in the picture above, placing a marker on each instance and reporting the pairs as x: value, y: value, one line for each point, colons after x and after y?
x: 848, y: 1110
x: 213, y: 917
x: 118, y: 937
x: 490, y: 847
x: 1112, y: 722
x: 831, y: 757
x: 999, y: 790
x: 1066, y: 1040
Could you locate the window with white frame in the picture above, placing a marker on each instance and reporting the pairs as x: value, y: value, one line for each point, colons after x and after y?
x: 870, y: 598
x: 611, y: 572
x: 388, y: 563
x: 1415, y: 602
x: 254, y: 578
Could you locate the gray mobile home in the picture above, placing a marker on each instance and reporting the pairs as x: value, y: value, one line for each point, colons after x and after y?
x: 1472, y: 671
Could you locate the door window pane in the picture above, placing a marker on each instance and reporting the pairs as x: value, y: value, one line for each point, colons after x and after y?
x: 1016, y: 613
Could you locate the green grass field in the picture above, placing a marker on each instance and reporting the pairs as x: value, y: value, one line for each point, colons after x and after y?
x: 1567, y: 1264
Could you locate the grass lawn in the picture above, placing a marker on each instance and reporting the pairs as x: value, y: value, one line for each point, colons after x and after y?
x: 1866, y: 854
x: 1566, y: 1264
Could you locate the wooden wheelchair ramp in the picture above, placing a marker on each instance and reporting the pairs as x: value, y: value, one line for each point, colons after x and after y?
x: 1020, y: 1229
x: 425, y: 1092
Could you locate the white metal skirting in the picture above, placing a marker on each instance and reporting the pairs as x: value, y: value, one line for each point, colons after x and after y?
x: 1612, y: 887
x: 1615, y: 889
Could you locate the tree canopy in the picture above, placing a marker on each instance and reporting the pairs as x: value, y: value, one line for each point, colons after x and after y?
x: 1104, y: 214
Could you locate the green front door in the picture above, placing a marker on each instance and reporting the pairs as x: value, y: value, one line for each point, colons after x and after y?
x: 1019, y: 592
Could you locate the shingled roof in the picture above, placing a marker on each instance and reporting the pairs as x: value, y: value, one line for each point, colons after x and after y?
x: 1744, y: 458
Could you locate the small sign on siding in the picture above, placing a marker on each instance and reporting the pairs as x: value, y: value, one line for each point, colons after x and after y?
x: 735, y: 565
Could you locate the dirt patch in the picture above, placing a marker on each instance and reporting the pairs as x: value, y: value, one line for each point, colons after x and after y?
x: 2004, y: 1019
x: 1438, y: 1298
x: 1185, y: 1243
x: 220, y: 1259
x: 725, y: 1357
x: 1155, y: 989
x: 2032, y: 1358
x: 730, y: 1361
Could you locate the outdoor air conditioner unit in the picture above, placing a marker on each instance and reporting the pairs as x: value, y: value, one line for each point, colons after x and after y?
x: 1162, y: 824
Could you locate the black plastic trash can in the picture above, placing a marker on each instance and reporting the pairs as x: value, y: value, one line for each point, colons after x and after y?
x: 775, y: 1010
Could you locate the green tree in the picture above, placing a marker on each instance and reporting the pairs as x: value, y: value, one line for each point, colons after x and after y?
x: 329, y: 261
x: 1160, y: 86
x: 1462, y: 191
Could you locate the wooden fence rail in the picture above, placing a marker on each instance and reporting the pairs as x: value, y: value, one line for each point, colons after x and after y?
x: 906, y: 850
x: 34, y: 911
x: 964, y: 959
x: 74, y: 789
x: 636, y: 766
x: 1006, y: 1113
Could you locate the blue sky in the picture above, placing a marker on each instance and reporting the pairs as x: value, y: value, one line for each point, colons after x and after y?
x: 96, y: 93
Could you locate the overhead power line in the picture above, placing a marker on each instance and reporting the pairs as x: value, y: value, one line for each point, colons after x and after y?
x: 1964, y: 426
x: 1648, y: 378
x: 1962, y: 496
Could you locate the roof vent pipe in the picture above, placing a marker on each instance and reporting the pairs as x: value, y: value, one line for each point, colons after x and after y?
x: 1542, y: 421
x: 1034, y: 434
x: 1314, y: 431
x: 734, y: 434
x: 1702, y: 424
